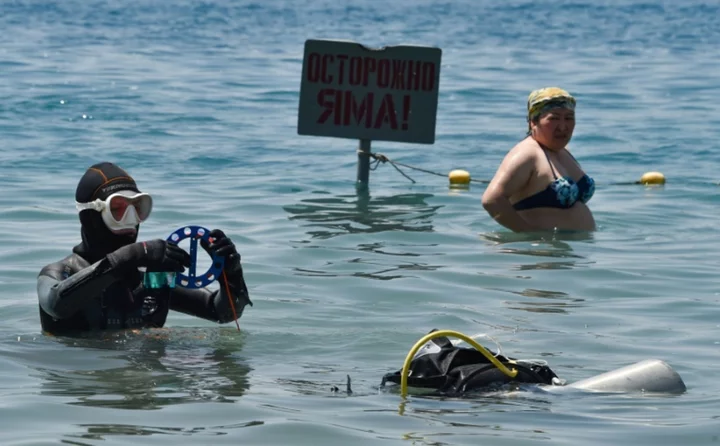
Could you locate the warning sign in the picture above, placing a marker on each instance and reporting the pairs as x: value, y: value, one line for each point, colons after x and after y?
x: 351, y: 91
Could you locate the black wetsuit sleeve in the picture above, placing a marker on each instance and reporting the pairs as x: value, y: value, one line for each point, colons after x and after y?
x: 61, y: 296
x: 214, y: 305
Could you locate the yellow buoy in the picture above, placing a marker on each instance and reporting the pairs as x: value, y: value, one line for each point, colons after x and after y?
x: 459, y: 177
x: 652, y: 178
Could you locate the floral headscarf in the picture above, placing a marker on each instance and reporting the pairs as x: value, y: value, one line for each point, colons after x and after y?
x: 543, y: 100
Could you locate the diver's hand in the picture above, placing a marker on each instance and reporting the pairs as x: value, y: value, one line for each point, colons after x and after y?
x: 155, y: 255
x: 221, y: 245
x: 232, y: 280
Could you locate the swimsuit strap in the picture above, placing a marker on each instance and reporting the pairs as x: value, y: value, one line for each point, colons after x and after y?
x: 545, y: 151
x: 574, y: 159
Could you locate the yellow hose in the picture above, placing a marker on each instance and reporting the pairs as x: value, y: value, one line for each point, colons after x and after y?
x: 440, y: 333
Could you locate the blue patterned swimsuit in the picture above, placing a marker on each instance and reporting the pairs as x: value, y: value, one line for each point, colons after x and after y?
x: 562, y: 193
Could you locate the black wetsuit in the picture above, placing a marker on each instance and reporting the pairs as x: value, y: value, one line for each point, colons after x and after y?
x: 76, y: 296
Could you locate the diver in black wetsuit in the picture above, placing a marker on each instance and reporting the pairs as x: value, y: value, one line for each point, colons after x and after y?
x: 99, y: 286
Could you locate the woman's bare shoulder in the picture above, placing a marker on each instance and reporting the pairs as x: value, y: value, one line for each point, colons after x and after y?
x: 523, y: 151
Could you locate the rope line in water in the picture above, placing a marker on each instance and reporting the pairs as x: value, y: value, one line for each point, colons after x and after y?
x: 648, y: 178
x: 380, y: 158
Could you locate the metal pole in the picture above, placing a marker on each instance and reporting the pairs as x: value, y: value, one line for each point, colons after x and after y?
x: 363, y: 170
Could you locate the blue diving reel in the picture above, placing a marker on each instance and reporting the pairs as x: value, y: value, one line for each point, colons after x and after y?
x: 192, y: 280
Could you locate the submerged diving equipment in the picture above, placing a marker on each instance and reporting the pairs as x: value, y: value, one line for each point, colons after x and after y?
x: 437, y: 364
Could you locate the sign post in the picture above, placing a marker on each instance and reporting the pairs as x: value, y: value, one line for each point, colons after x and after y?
x: 363, y: 171
x: 352, y: 91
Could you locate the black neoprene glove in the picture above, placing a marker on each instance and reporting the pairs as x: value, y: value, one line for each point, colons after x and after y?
x: 221, y: 245
x: 232, y: 280
x: 155, y: 255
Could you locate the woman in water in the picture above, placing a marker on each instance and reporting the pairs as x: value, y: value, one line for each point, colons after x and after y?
x: 539, y: 185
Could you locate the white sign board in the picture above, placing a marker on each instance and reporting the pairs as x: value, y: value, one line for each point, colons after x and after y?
x: 351, y: 91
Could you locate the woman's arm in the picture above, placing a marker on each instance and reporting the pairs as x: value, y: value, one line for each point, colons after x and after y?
x: 512, y: 175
